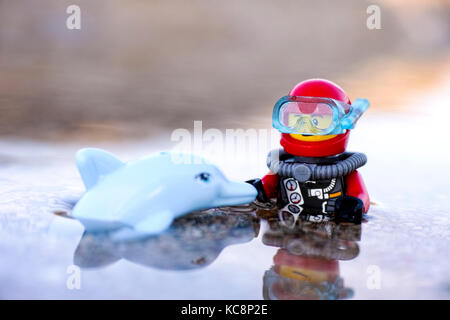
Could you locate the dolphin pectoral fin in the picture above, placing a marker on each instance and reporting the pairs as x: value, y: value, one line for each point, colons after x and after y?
x: 94, y: 163
x: 154, y: 224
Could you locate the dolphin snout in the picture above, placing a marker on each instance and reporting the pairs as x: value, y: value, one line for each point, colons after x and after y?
x: 234, y: 193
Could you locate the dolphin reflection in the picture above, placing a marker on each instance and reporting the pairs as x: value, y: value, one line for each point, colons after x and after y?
x: 192, y: 241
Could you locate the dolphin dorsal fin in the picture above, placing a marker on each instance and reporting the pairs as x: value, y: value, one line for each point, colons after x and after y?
x: 94, y: 163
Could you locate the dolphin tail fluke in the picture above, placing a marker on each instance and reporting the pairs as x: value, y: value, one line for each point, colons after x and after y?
x: 94, y: 163
x: 154, y: 224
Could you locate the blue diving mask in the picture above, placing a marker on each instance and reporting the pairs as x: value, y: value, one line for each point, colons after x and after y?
x: 315, y: 115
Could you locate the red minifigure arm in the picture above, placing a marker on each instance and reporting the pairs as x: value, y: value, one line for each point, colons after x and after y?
x: 270, y: 184
x: 357, y: 188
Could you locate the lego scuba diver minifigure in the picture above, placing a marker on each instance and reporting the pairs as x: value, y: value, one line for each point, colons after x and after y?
x: 312, y: 177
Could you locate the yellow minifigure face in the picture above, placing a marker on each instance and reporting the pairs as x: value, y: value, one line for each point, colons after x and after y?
x: 303, y: 274
x: 311, y: 123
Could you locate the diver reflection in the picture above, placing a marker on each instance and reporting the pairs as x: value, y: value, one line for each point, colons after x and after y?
x: 193, y: 241
x: 307, y: 264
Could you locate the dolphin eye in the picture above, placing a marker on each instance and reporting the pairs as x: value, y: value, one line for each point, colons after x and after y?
x: 203, y: 177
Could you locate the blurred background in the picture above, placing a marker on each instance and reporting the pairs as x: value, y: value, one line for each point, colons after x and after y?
x: 139, y: 68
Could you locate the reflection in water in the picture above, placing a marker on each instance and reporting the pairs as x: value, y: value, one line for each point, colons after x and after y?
x: 193, y: 241
x: 307, y: 264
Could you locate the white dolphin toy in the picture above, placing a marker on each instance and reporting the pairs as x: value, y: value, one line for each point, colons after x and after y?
x: 142, y: 197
